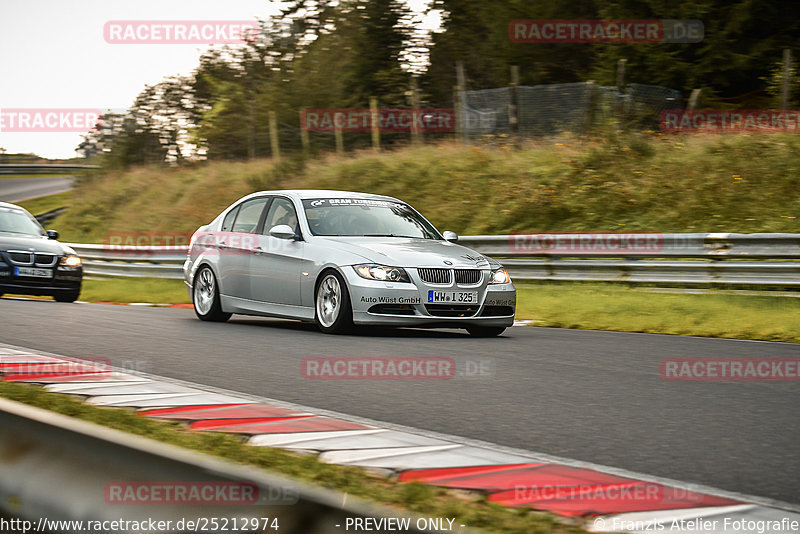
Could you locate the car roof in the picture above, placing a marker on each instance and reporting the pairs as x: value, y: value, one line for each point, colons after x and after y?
x: 324, y: 193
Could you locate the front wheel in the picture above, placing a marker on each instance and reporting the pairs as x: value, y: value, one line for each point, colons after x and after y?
x: 67, y: 296
x: 206, y: 300
x: 334, y: 313
x: 485, y: 331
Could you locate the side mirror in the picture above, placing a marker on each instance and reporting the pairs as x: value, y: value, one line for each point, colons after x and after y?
x: 450, y: 236
x: 52, y: 234
x: 282, y: 231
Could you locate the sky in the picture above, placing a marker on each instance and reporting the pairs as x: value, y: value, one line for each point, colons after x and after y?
x: 53, y: 54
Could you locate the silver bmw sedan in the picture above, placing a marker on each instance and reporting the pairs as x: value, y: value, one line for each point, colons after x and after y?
x: 343, y: 260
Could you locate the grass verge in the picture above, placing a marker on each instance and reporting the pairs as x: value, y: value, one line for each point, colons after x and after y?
x: 50, y: 202
x: 419, y: 498
x: 617, y: 307
x: 156, y: 290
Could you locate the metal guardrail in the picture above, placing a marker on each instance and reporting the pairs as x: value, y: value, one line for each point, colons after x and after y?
x: 132, y: 261
x: 55, y: 468
x: 762, y: 259
x: 43, y: 168
x: 689, y: 258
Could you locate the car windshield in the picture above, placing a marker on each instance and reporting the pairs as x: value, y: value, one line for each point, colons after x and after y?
x: 17, y: 221
x: 366, y: 218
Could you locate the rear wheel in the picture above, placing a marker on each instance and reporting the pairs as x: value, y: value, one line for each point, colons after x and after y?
x: 485, y: 331
x: 205, y: 295
x: 334, y: 312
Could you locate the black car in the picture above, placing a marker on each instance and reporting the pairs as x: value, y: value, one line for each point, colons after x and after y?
x: 32, y: 262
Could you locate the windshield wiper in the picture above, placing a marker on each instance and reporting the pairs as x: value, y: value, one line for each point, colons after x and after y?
x: 388, y: 235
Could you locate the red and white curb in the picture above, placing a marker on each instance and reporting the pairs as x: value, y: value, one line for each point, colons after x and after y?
x: 610, y: 500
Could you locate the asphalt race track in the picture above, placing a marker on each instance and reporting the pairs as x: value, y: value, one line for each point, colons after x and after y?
x: 587, y: 395
x: 17, y: 189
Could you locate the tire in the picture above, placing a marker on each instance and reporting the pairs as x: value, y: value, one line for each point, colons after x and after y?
x: 333, y: 311
x: 205, y: 297
x: 485, y: 331
x: 67, y: 296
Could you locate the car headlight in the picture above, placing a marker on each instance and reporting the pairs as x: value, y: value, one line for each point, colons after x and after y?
x: 372, y: 271
x: 499, y: 276
x: 70, y: 261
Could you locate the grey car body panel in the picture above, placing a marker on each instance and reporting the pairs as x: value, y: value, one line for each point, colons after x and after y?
x: 265, y: 275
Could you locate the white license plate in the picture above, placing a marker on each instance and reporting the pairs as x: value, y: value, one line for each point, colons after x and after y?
x: 452, y: 297
x: 33, y: 271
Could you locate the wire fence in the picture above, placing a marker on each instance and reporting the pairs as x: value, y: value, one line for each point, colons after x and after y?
x: 518, y: 111
x: 524, y: 111
x: 574, y: 107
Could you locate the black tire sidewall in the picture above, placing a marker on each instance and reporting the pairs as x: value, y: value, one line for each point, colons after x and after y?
x: 486, y: 331
x: 67, y: 296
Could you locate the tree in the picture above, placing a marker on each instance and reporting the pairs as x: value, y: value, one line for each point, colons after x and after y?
x: 476, y: 34
x: 351, y: 50
x: 377, y: 37
x: 152, y: 131
x: 742, y: 40
x: 235, y: 88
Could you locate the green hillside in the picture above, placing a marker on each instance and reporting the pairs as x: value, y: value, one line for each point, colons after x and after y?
x: 741, y: 183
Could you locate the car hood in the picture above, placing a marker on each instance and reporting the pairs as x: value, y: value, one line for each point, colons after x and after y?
x: 405, y: 252
x: 10, y: 241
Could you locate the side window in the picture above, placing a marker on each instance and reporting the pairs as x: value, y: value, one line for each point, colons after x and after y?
x: 281, y: 212
x: 227, y: 222
x: 248, y: 216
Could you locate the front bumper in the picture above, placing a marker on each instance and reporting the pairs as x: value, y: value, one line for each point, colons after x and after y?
x: 395, y: 303
x: 64, y: 280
